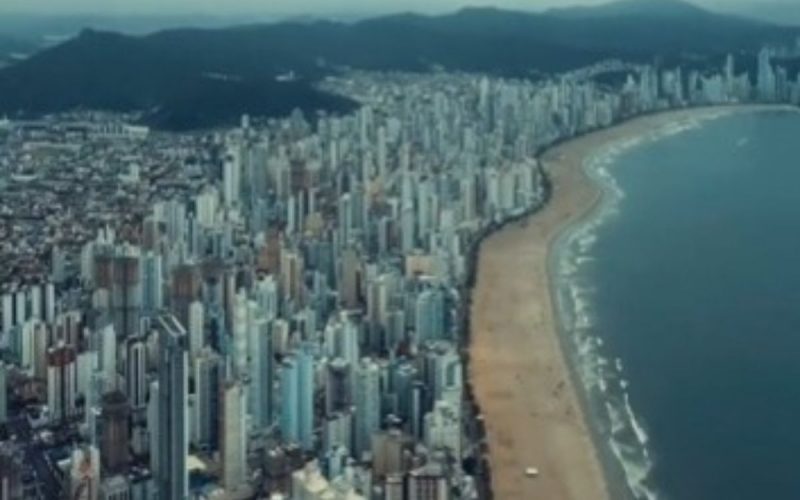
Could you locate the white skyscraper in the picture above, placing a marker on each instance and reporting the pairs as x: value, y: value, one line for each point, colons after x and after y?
x: 196, y: 328
x: 136, y: 373
x: 234, y: 446
x: 232, y: 172
x: 108, y: 357
x: 36, y: 302
x: 49, y: 302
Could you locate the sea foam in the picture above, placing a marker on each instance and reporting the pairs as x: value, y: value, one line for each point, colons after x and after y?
x: 603, y: 381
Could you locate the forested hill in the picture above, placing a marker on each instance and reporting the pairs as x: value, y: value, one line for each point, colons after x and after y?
x: 187, y: 78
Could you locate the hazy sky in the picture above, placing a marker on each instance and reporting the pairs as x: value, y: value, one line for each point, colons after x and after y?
x: 278, y: 7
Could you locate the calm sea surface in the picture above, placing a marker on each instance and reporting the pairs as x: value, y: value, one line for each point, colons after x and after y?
x: 686, y: 293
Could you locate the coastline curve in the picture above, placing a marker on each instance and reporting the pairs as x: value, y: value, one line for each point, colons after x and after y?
x: 620, y: 438
x: 525, y: 369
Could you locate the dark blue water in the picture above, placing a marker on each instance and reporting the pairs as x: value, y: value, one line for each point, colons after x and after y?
x: 698, y: 293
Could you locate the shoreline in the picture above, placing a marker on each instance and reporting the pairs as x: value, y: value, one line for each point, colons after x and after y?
x: 537, y: 412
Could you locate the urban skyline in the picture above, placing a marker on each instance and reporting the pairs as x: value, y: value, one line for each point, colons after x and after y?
x: 280, y: 308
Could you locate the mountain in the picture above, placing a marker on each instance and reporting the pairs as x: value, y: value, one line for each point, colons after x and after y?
x: 645, y: 8
x: 783, y: 12
x: 110, y: 71
x: 188, y: 78
x: 12, y: 47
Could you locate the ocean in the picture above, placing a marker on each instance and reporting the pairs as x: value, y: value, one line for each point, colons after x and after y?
x: 680, y: 303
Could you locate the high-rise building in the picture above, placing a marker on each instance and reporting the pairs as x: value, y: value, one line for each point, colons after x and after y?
x: 231, y: 178
x: 267, y: 296
x: 136, y: 372
x: 107, y: 356
x: 337, y: 432
x: 3, y: 393
x: 206, y: 206
x: 338, y: 387
x: 297, y: 399
x: 21, y: 307
x: 8, y: 313
x: 84, y: 478
x: 349, y: 279
x: 428, y: 483
x: 444, y: 372
x: 233, y: 432
x: 207, y: 379
x: 37, y: 303
x: 430, y: 323
x: 442, y: 429
x: 152, y: 282
x: 766, y: 76
x: 368, y: 405
x: 116, y: 270
x: 241, y: 335
x: 196, y: 328
x: 389, y: 451
x: 171, y: 476
x: 394, y: 487
x: 234, y: 438
x: 61, y: 382
x: 185, y: 288
x: 292, y: 271
x: 11, y: 465
x: 114, y: 440
x: 154, y: 431
x: 260, y: 388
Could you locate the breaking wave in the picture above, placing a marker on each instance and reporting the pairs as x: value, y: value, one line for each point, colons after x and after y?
x: 603, y: 381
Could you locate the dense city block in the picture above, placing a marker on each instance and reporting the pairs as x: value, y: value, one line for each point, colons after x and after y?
x: 278, y: 310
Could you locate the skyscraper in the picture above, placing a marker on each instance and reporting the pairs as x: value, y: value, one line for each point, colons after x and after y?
x: 61, y: 381
x: 117, y: 271
x: 766, y: 76
x: 196, y: 327
x: 297, y: 399
x: 114, y: 441
x: 171, y: 477
x: 152, y: 282
x: 207, y: 378
x: 136, y: 372
x: 3, y: 393
x: 368, y: 405
x: 231, y: 178
x: 289, y: 421
x: 338, y: 387
x: 260, y: 389
x: 7, y: 313
x: 84, y: 476
x: 430, y: 325
x: 233, y: 432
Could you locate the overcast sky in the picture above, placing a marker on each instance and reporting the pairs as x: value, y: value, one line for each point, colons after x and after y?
x: 279, y: 7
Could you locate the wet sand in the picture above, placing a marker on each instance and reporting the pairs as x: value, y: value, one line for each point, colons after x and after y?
x: 518, y: 371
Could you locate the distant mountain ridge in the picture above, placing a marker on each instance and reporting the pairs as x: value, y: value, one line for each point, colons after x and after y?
x: 189, y: 78
x: 660, y: 8
x: 11, y: 47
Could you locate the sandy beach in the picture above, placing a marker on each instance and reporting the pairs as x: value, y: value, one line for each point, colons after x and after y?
x: 519, y: 373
